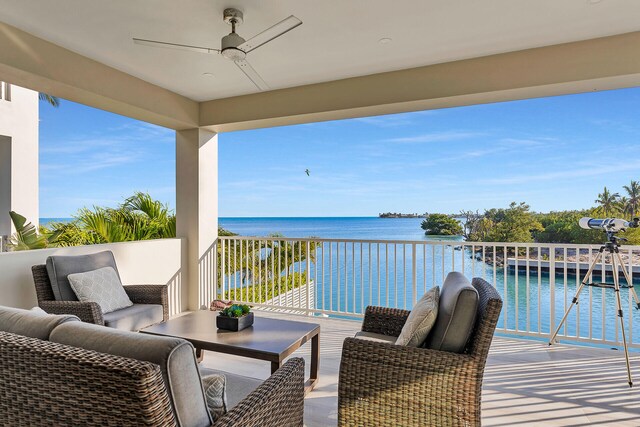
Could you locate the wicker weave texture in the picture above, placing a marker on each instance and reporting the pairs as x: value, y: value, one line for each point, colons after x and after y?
x: 386, y: 321
x: 383, y: 384
x: 278, y: 402
x: 150, y: 294
x: 45, y: 383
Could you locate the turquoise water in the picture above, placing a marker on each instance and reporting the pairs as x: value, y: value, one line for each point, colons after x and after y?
x: 330, y: 228
x: 356, y: 282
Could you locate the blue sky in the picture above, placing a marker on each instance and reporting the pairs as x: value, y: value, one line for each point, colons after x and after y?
x: 553, y: 153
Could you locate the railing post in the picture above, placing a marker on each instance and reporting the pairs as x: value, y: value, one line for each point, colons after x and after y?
x: 414, y: 273
x: 308, y: 276
x: 552, y: 289
x: 222, y: 267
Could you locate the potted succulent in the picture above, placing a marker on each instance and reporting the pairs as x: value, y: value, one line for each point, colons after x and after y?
x: 235, y: 318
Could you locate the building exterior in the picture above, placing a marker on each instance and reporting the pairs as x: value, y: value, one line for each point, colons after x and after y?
x: 18, y: 155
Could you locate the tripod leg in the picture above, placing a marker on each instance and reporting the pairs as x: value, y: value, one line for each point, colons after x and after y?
x: 629, y: 282
x: 616, y: 284
x: 574, y: 301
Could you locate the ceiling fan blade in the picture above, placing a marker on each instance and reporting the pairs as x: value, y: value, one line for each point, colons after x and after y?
x: 253, y: 75
x: 271, y: 33
x: 154, y: 43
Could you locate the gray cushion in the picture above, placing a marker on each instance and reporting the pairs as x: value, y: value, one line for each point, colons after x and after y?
x: 456, y: 315
x: 176, y: 358
x: 32, y: 324
x: 102, y: 286
x: 135, y: 317
x: 238, y: 386
x: 421, y: 320
x: 59, y: 267
x: 372, y: 336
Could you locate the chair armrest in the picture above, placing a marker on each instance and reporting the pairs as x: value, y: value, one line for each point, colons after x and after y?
x: 150, y: 294
x: 381, y: 381
x: 383, y: 320
x: 279, y: 401
x: 89, y: 312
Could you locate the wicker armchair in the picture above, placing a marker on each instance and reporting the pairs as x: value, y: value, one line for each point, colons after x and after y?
x: 90, y: 311
x: 382, y: 384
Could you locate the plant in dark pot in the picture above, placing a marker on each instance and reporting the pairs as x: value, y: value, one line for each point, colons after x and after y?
x: 235, y: 318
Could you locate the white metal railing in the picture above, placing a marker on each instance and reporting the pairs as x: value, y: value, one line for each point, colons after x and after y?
x: 5, y: 91
x: 350, y: 274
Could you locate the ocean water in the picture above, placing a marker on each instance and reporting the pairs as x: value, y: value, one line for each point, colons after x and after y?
x: 368, y: 228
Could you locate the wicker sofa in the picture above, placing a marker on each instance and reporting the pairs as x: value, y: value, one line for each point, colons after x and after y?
x: 383, y: 384
x: 150, y: 302
x: 142, y: 380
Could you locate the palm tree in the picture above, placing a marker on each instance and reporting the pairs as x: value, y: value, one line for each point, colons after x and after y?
x: 139, y: 217
x: 54, y: 101
x: 624, y: 205
x: 633, y: 191
x: 607, y: 202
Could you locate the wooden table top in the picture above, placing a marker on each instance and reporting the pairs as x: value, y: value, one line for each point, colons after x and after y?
x: 268, y: 339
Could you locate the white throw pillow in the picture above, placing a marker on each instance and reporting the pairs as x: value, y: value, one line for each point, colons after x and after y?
x: 102, y: 286
x: 421, y: 320
x: 39, y: 311
x: 215, y: 393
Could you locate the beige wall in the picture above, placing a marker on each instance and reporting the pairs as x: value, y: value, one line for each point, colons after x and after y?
x: 146, y: 262
x: 19, y: 155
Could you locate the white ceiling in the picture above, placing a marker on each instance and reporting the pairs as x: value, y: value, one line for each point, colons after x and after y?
x: 338, y: 38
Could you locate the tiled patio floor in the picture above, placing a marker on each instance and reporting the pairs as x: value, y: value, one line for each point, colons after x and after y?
x: 526, y: 382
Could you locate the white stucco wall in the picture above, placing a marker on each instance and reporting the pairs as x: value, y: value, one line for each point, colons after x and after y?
x: 19, y: 155
x: 145, y: 262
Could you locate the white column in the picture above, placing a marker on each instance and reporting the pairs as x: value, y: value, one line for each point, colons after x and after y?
x: 19, y: 157
x: 196, y: 209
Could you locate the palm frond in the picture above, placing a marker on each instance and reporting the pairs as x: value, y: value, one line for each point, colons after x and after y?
x: 54, y: 101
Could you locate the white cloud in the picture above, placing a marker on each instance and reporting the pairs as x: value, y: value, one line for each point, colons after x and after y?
x: 393, y: 120
x: 436, y: 137
x: 584, y: 171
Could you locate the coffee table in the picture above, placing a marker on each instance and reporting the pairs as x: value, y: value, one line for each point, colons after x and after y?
x: 268, y: 339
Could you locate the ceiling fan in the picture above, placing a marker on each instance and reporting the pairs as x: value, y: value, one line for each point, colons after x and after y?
x: 234, y: 47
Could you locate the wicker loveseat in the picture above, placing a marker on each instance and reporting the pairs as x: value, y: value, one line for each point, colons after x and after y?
x: 150, y: 302
x: 47, y: 382
x: 383, y: 384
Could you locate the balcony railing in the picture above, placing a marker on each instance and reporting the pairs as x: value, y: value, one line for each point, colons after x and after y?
x: 343, y: 276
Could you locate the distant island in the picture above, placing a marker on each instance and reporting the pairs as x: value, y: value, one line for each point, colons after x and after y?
x: 402, y: 215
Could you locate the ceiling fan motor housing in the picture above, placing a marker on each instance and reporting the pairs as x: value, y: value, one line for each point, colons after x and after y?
x: 230, y: 44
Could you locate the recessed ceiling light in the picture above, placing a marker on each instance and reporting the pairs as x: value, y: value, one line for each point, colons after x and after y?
x: 384, y: 40
x: 208, y: 74
x: 593, y: 1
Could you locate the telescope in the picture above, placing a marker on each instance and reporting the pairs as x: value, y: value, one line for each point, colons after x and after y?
x: 611, y: 225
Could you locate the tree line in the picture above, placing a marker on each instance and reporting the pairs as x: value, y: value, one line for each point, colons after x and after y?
x: 518, y: 223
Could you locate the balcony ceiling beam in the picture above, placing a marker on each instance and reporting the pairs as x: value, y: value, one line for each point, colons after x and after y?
x: 29, y: 61
x: 589, y: 65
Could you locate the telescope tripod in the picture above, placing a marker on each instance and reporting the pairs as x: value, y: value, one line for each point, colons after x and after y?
x: 612, y: 248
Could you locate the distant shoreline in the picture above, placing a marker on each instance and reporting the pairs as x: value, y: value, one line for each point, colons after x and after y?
x: 401, y: 215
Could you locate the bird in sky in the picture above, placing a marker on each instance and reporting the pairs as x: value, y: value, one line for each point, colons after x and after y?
x: 308, y: 172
